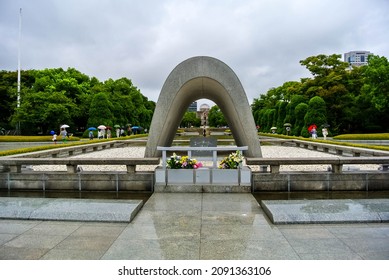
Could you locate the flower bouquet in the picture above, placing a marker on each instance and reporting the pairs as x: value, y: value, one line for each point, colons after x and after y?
x: 184, y: 162
x: 233, y: 161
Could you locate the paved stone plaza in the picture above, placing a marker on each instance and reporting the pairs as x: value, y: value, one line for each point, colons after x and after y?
x: 193, y: 226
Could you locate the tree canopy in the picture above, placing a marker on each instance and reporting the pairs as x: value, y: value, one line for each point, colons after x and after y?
x: 347, y: 99
x: 52, y: 97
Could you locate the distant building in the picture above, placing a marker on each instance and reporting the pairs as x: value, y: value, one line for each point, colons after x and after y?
x: 202, y: 114
x: 193, y: 107
x: 357, y: 58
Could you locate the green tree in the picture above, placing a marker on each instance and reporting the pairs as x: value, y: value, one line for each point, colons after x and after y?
x: 190, y: 119
x: 377, y: 82
x: 41, y: 112
x: 100, y: 112
x: 299, y: 125
x: 316, y: 113
x: 216, y: 117
x: 290, y: 116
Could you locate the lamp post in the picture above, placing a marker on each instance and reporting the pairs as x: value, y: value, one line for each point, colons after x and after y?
x: 19, y: 47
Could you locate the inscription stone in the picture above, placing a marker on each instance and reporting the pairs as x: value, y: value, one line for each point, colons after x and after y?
x: 202, y: 142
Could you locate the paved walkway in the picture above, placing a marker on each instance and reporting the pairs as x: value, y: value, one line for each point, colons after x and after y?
x: 193, y: 226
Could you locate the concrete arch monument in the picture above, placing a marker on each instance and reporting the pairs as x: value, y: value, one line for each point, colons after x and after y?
x: 196, y: 78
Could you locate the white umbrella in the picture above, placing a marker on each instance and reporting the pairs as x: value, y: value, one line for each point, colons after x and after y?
x: 64, y: 126
x: 101, y: 127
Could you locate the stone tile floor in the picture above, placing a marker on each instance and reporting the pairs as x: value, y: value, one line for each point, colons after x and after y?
x: 189, y: 226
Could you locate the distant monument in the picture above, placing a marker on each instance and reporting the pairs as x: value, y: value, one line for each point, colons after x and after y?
x: 197, y: 78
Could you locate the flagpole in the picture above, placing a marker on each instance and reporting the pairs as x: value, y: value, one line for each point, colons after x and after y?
x: 19, y: 47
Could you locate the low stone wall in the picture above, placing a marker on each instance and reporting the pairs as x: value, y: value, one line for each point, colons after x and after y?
x: 320, y: 181
x: 82, y: 181
x: 144, y: 182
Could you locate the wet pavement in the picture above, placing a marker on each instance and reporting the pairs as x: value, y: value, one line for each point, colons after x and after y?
x: 193, y: 226
x: 327, y: 211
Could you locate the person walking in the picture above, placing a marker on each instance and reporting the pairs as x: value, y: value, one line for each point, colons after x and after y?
x: 54, y: 138
x: 90, y: 135
x: 64, y: 133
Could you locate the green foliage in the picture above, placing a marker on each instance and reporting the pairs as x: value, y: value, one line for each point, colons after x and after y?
x: 52, y: 97
x: 52, y: 146
x: 47, y: 138
x: 216, y: 117
x: 281, y: 113
x: 100, y: 112
x: 316, y: 113
x: 190, y: 119
x: 367, y: 136
x: 377, y: 82
x: 299, y: 125
x: 356, y: 99
x: 367, y: 146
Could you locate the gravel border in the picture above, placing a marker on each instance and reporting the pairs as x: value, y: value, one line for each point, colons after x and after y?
x: 267, y: 152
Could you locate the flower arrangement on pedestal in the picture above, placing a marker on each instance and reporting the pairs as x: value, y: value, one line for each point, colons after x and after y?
x: 232, y: 161
x: 184, y: 162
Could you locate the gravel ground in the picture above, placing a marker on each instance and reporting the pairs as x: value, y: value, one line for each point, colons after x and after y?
x: 267, y: 152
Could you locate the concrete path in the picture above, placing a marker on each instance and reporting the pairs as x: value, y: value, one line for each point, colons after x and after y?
x: 193, y: 226
x: 59, y: 209
x: 327, y: 211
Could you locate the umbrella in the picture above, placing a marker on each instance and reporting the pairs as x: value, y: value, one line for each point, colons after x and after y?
x: 273, y: 127
x: 312, y: 126
x: 101, y: 127
x: 108, y: 127
x: 64, y: 126
x: 325, y: 125
x: 92, y: 128
x: 287, y: 124
x: 135, y: 127
x: 116, y: 126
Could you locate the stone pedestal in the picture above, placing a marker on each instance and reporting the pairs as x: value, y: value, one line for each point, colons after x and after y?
x: 203, y: 176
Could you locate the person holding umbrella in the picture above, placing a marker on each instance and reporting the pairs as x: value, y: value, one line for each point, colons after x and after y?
x: 324, y: 131
x: 63, y: 133
x: 90, y: 135
x: 312, y: 130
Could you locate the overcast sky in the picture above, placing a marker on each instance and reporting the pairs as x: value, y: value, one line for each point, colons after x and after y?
x: 261, y: 40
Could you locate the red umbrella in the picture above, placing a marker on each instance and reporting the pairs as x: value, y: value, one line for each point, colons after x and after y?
x: 312, y: 126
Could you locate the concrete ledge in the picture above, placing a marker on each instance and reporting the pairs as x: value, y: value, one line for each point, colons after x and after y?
x: 91, y: 210
x: 15, y: 164
x: 84, y: 181
x: 327, y: 211
x: 214, y: 188
x: 335, y: 162
x: 320, y: 181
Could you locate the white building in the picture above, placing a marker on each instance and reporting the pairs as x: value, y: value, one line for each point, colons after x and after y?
x: 357, y: 58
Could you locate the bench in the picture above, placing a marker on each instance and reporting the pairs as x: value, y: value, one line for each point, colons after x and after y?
x: 335, y: 162
x: 15, y: 164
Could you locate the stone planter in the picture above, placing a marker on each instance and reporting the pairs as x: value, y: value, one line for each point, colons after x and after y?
x: 225, y: 176
x: 183, y: 176
x: 203, y: 176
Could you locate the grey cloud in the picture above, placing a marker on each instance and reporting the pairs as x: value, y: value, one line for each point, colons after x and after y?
x: 262, y: 41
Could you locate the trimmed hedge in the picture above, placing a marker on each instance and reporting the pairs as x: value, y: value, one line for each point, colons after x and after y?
x: 375, y: 147
x: 371, y: 136
x: 46, y: 138
x: 60, y: 145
